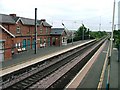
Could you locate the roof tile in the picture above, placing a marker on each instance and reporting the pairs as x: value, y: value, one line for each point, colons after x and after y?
x: 57, y: 31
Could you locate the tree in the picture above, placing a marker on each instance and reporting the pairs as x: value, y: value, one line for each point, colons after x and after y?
x: 116, y: 37
x: 98, y: 34
x: 81, y: 33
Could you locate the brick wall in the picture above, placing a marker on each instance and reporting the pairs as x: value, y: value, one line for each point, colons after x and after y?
x: 7, y: 45
x: 26, y: 33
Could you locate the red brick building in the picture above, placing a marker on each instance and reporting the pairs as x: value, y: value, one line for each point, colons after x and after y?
x: 58, y: 36
x: 18, y: 35
x: 6, y: 41
x: 23, y: 31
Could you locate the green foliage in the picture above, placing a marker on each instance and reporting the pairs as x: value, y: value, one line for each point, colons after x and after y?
x: 98, y: 34
x: 116, y: 37
x: 82, y: 30
x: 78, y: 34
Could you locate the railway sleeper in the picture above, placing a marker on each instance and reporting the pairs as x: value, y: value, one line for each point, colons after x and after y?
x: 50, y: 72
x: 22, y: 71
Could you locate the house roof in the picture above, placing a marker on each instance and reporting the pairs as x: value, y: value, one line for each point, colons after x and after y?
x: 57, y: 31
x: 26, y: 21
x: 15, y: 18
x: 6, y: 19
x: 7, y: 31
x: 45, y: 24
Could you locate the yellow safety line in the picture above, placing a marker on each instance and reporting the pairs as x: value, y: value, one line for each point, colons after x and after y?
x: 84, y: 70
x: 103, y: 71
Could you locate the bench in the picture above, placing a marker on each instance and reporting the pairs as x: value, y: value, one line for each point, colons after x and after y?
x: 24, y: 49
x: 19, y: 50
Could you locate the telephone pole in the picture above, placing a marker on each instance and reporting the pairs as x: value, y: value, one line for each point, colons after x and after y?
x: 35, y: 30
x: 83, y: 32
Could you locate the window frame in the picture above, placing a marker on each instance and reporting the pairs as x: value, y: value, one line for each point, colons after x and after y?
x: 41, y: 30
x: 18, y: 30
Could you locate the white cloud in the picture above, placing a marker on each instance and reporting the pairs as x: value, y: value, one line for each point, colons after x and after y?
x: 88, y: 11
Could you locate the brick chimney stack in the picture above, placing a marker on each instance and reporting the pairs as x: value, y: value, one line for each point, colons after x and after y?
x: 43, y: 20
x: 14, y: 15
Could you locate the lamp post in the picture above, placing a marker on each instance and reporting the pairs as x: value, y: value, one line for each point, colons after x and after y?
x: 83, y: 32
x: 35, y: 30
x: 72, y: 37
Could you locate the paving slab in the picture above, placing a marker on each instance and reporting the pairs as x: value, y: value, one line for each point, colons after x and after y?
x: 114, y: 71
x: 91, y: 79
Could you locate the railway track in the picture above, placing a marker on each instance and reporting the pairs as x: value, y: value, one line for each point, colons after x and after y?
x: 46, y: 69
x: 67, y: 72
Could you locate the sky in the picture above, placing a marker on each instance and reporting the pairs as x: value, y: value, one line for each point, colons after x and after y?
x: 94, y: 14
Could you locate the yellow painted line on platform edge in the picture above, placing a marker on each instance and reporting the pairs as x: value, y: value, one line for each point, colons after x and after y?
x: 103, y: 71
x: 79, y: 77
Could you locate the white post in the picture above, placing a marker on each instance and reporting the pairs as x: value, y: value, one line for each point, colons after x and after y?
x: 111, y: 46
x: 112, y: 28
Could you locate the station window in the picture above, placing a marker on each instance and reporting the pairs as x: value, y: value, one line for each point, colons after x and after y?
x: 41, y: 31
x: 29, y: 31
x: 46, y: 30
x: 18, y: 29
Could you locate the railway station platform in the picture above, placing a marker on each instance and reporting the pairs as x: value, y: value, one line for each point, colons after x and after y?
x: 27, y: 58
x: 90, y: 75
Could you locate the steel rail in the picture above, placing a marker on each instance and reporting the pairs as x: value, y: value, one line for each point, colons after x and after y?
x: 37, y: 76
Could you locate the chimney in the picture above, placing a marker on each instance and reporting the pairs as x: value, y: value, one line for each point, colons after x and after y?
x: 43, y: 20
x: 14, y: 15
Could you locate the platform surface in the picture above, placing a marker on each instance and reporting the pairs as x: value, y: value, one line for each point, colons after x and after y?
x: 27, y: 58
x: 91, y: 79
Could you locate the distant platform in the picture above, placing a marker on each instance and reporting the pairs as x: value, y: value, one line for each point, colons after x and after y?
x: 28, y: 58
